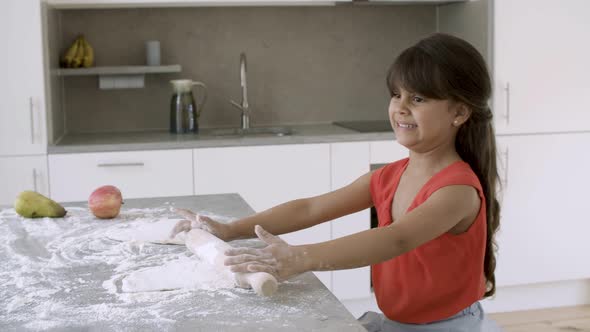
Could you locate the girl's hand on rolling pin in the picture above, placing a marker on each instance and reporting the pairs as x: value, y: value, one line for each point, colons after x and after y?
x: 194, y: 220
x: 278, y: 258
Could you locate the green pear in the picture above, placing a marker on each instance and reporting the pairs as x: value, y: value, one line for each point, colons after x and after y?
x: 31, y: 204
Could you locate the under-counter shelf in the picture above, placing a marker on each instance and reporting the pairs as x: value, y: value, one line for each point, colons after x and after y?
x: 119, y: 70
x: 409, y: 2
x: 78, y: 4
x: 120, y: 77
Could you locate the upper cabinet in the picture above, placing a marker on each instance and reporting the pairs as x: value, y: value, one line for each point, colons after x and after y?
x: 541, y: 65
x: 22, y: 94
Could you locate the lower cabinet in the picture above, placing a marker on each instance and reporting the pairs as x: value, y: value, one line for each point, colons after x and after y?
x: 544, y: 222
x: 266, y: 176
x: 22, y: 173
x: 350, y: 161
x: 382, y: 152
x: 137, y: 174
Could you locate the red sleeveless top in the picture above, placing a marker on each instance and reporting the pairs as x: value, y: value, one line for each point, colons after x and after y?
x: 439, y: 278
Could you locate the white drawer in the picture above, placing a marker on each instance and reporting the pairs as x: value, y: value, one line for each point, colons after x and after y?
x: 73, y: 177
x: 383, y: 152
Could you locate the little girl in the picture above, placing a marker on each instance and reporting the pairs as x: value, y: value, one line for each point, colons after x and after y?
x: 432, y: 255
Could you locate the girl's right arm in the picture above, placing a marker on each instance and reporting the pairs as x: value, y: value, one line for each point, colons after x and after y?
x: 300, y: 213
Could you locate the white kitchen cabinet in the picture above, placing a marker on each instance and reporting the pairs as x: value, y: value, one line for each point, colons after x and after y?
x: 22, y: 173
x: 541, y: 65
x: 405, y: 2
x: 349, y: 162
x: 266, y: 176
x: 22, y: 88
x: 137, y: 174
x: 382, y: 152
x: 175, y: 3
x: 544, y: 224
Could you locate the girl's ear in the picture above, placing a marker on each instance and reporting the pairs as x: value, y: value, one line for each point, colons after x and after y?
x: 462, y: 114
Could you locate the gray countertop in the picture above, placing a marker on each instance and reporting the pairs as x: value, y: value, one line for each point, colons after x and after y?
x: 57, y: 274
x: 159, y: 140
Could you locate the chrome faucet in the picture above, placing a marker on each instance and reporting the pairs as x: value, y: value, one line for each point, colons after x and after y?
x: 244, y: 105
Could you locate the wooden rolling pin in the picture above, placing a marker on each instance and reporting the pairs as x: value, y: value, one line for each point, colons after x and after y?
x: 211, y: 249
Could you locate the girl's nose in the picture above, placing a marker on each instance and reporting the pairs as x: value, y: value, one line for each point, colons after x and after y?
x: 402, y: 106
x: 403, y: 110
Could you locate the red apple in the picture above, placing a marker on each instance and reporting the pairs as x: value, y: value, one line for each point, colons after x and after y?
x: 105, y: 202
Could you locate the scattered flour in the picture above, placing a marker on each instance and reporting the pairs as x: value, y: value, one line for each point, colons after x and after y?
x: 66, y: 272
x: 208, y: 252
x: 142, y: 232
x: 183, y: 273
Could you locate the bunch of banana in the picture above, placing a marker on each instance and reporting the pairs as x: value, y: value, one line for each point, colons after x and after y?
x: 79, y: 54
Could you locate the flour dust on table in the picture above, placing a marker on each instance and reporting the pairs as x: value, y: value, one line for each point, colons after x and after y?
x: 57, y: 272
x: 182, y: 273
x: 145, y: 230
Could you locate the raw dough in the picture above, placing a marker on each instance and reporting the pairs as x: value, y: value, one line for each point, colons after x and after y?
x: 211, y: 249
x: 184, y: 273
x: 204, y: 270
x: 147, y: 231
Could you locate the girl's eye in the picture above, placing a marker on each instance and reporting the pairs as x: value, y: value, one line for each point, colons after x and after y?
x: 395, y: 95
x: 418, y: 99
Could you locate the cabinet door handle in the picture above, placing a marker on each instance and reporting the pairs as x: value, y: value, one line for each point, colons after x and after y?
x: 32, y: 113
x: 507, y: 111
x: 119, y: 164
x: 34, y: 179
x: 506, y: 155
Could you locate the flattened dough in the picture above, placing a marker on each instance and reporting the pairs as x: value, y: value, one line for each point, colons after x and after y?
x: 147, y: 231
x: 184, y: 273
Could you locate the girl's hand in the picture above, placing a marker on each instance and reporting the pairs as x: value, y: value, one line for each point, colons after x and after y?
x: 277, y: 258
x: 194, y: 220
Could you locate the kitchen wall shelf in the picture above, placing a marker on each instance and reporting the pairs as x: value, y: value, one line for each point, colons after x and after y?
x: 120, y: 77
x: 119, y: 70
x: 85, y: 4
x: 77, y: 4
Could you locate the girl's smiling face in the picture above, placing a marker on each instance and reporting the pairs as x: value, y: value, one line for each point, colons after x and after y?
x: 421, y: 123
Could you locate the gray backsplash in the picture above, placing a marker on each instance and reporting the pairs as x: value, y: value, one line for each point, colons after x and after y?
x: 471, y: 21
x: 305, y: 64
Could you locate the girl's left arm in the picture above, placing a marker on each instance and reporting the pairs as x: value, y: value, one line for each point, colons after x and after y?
x: 444, y: 209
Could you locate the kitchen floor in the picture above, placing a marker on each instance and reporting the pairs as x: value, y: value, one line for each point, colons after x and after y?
x: 546, y: 320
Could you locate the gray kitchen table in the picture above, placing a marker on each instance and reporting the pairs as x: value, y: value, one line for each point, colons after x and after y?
x: 63, y: 274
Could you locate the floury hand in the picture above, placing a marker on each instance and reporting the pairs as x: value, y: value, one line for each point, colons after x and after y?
x: 194, y: 220
x: 278, y: 258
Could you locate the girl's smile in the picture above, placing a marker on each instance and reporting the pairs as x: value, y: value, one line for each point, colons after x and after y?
x: 406, y: 125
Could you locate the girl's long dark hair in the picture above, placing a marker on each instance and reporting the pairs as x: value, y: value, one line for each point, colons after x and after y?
x: 442, y: 66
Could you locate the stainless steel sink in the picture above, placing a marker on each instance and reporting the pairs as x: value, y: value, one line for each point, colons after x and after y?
x: 255, y: 131
x: 366, y: 126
